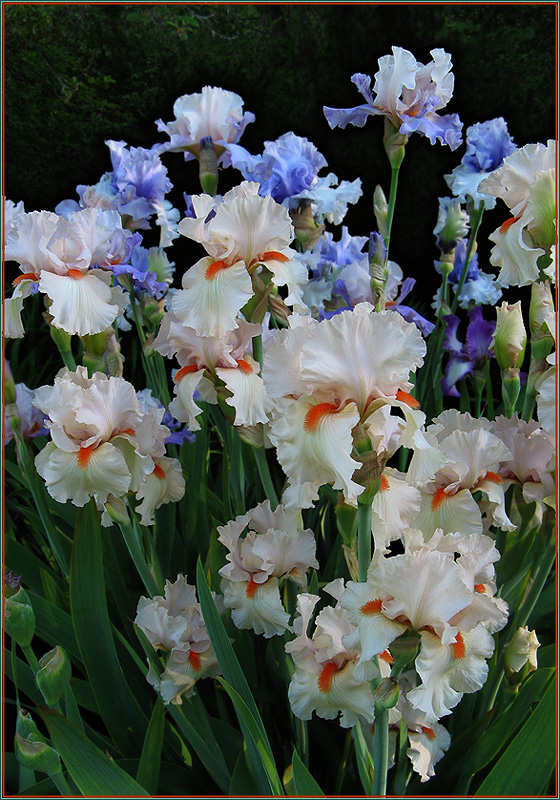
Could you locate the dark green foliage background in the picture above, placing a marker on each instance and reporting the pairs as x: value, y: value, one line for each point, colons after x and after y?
x: 76, y: 75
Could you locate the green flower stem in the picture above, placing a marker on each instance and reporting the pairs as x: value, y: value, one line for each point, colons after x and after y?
x: 14, y: 672
x: 134, y: 547
x: 365, y: 501
x: 444, y: 296
x: 380, y: 752
x: 38, y: 492
x: 61, y: 784
x: 68, y: 358
x: 31, y: 659
x: 343, y: 762
x: 265, y: 476
x: 142, y: 336
x: 257, y: 349
x: 391, y: 207
x: 489, y: 392
x: 364, y: 539
x: 529, y: 401
x: 468, y: 255
x: 544, y: 564
x: 63, y: 343
x: 400, y: 779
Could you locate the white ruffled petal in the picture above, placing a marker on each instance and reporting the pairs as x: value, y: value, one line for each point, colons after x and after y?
x: 165, y: 485
x: 183, y: 407
x: 314, y: 443
x: 329, y: 693
x: 13, y: 306
x: 212, y: 296
x: 256, y: 606
x: 249, y: 397
x: 514, y: 254
x: 448, y: 671
x: 79, y: 476
x: 84, y: 305
x: 426, y: 748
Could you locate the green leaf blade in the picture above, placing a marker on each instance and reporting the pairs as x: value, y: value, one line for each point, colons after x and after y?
x: 93, y: 772
x: 117, y: 704
x: 527, y: 764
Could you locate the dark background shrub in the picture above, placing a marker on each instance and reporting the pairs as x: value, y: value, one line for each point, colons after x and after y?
x: 76, y: 75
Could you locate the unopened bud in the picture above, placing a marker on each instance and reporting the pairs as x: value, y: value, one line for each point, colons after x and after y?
x: 12, y: 584
x: 31, y: 748
x: 404, y: 650
x: 208, y: 166
x: 511, y: 386
x: 152, y: 312
x: 380, y: 209
x: 9, y: 385
x: 306, y: 229
x: 541, y: 309
x: 521, y: 650
x: 19, y: 619
x: 117, y: 510
x: 452, y: 224
x: 394, y: 143
x: 386, y: 693
x: 54, y: 675
x: 510, y: 337
x: 445, y: 266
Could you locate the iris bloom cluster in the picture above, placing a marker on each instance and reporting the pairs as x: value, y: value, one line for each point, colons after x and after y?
x: 104, y: 444
x: 303, y: 342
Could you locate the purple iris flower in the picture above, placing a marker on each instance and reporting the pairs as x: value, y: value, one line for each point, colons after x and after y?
x: 488, y: 143
x: 409, y: 94
x: 32, y: 419
x: 408, y: 313
x: 460, y: 253
x: 140, y: 168
x: 287, y: 167
x: 179, y: 433
x: 465, y: 357
x: 143, y: 279
x: 346, y: 251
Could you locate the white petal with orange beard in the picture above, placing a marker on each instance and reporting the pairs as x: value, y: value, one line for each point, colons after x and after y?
x: 249, y: 397
x: 165, y: 484
x: 449, y: 671
x: 330, y: 692
x: 514, y: 254
x: 183, y: 406
x: 212, y: 296
x: 314, y: 445
x: 454, y: 513
x: 256, y: 606
x: 101, y: 473
x: 83, y: 305
x: 395, y: 506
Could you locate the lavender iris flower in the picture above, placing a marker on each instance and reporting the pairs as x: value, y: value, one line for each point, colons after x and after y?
x: 465, y: 358
x: 409, y: 94
x: 287, y: 166
x: 488, y: 143
x: 479, y: 287
x: 288, y: 171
